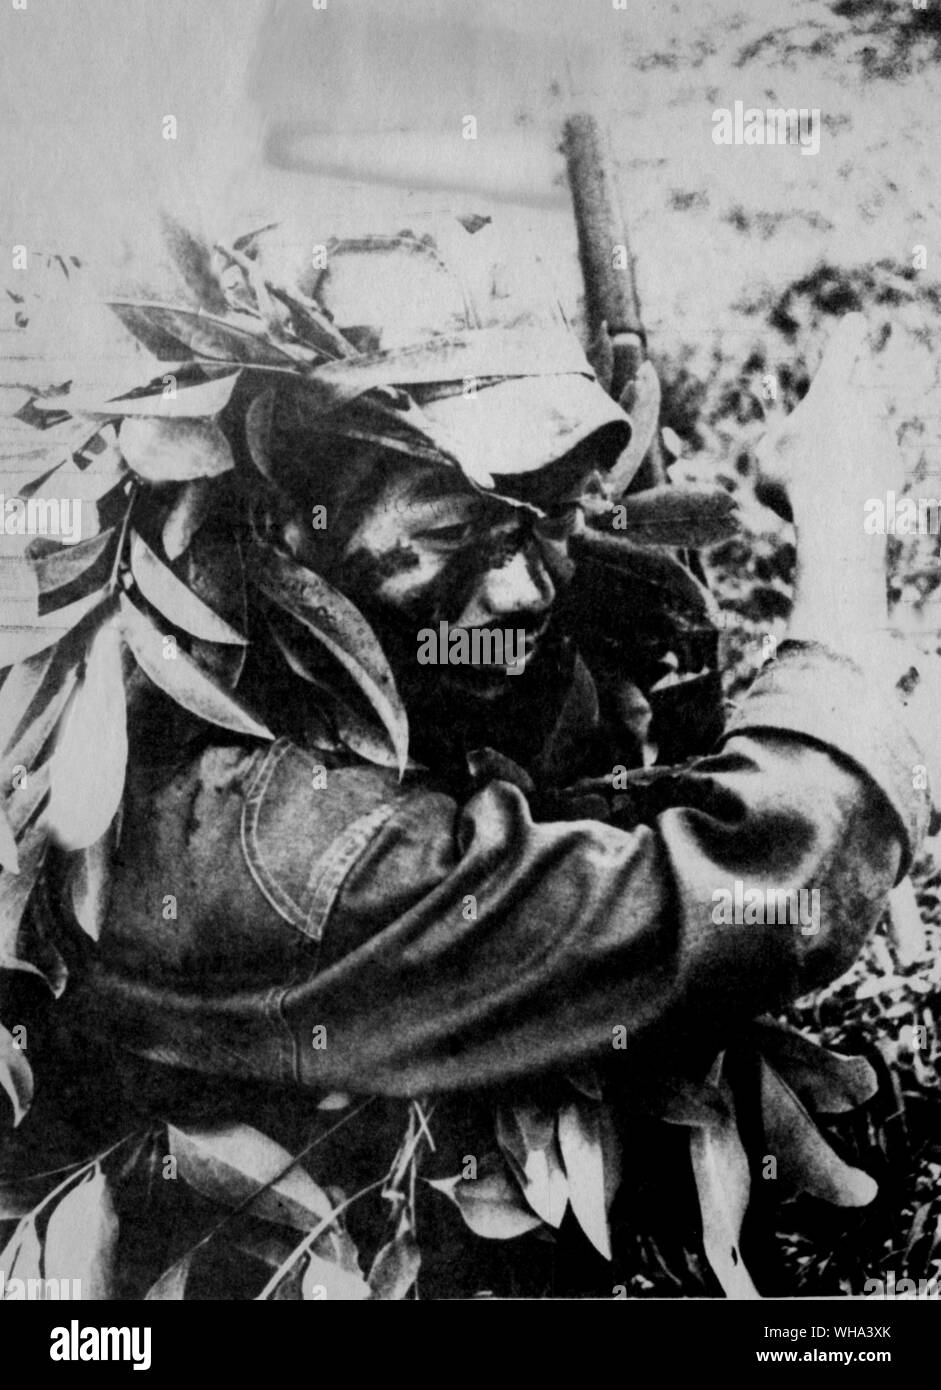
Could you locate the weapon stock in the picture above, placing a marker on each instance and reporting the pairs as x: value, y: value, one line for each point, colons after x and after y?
x: 611, y: 305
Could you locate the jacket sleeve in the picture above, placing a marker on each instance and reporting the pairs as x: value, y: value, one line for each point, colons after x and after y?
x: 468, y: 945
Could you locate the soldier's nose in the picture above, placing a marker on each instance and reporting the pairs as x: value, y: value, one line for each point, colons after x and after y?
x: 522, y: 585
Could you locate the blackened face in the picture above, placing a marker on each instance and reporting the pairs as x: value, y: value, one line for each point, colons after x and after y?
x: 428, y: 549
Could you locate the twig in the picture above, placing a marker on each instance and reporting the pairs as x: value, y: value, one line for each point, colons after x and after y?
x: 253, y: 1196
x: 309, y: 1239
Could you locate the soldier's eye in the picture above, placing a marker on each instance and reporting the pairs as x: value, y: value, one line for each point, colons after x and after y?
x: 461, y: 533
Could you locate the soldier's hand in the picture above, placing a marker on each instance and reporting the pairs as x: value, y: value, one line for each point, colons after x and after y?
x: 835, y: 449
x: 831, y: 454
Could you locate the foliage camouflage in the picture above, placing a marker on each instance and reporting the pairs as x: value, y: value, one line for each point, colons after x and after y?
x: 157, y: 468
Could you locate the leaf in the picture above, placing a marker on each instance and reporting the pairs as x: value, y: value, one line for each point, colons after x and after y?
x: 584, y: 1079
x: 193, y: 256
x: 335, y: 1243
x: 26, y: 451
x: 672, y: 515
x: 313, y: 325
x: 228, y: 1163
x: 9, y: 858
x: 340, y: 1285
x: 265, y: 1246
x: 22, y: 1258
x: 20, y: 687
x: 171, y: 1286
x: 175, y: 451
x: 720, y: 1169
x: 21, y: 439
x: 361, y: 736
x: 917, y: 1229
x: 212, y: 568
x: 192, y: 507
x: 82, y: 1236
x: 395, y: 1268
x: 15, y: 890
x: 90, y: 879
x: 641, y: 400
x: 90, y: 758
x: 825, y: 1081
x: 18, y: 643
x: 491, y: 1206
x: 679, y: 1101
x: 66, y: 566
x: 288, y: 1289
x: 805, y: 1160
x: 658, y: 570
x: 200, y: 402
x: 30, y: 738
x: 526, y: 1135
x: 89, y: 485
x: 583, y: 1156
x: 342, y: 629
x: 24, y: 798
x: 171, y: 332
x: 181, y: 678
x: 52, y: 970
x: 611, y: 1153
x: 16, y: 1078
x: 174, y: 600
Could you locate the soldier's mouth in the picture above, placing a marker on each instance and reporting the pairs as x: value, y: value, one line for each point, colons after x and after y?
x: 521, y: 647
x: 534, y: 637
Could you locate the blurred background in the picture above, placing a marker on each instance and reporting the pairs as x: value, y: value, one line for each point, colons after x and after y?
x: 742, y: 253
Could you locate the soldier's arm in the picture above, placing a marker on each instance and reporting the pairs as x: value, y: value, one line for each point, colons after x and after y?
x: 517, y: 945
x: 439, y: 945
x: 469, y: 945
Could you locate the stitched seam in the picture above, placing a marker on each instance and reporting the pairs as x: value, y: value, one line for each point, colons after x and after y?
x: 336, y: 863
x: 274, y: 1014
x: 281, y: 901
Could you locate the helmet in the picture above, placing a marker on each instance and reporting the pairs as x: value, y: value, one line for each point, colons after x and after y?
x: 450, y: 346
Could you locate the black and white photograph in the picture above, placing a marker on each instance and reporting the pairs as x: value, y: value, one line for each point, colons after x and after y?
x: 470, y: 695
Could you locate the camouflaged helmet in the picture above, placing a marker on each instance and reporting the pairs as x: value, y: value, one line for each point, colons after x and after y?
x: 454, y: 350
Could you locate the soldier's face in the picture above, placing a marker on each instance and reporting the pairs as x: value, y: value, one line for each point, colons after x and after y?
x: 427, y: 549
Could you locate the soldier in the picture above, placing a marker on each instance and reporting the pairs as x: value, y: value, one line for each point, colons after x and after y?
x: 430, y: 883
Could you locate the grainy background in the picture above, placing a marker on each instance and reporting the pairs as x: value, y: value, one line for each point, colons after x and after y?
x: 744, y: 256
